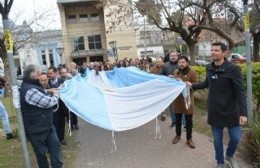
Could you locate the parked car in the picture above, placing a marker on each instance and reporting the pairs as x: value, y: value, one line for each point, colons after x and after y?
x: 236, y: 58
x: 201, y: 62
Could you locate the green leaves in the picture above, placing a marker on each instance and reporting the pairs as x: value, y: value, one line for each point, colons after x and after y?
x: 253, y: 142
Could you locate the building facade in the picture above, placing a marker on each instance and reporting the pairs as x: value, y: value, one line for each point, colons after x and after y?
x: 87, y: 29
x: 41, y: 50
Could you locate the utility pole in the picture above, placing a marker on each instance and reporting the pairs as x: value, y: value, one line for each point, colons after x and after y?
x: 15, y: 92
x: 248, y: 63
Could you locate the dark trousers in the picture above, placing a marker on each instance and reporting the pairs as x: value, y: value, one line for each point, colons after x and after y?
x: 59, y: 120
x: 73, y: 119
x: 188, y: 119
x: 43, y: 141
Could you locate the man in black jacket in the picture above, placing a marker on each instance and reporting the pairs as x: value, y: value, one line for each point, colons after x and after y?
x: 37, y: 109
x: 226, y: 102
x: 60, y: 115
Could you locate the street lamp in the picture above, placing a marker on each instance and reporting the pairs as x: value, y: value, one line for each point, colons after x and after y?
x: 60, y: 51
x: 113, y: 46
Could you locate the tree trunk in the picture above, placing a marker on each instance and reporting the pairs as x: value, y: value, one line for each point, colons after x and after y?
x: 192, y: 53
x: 256, y: 56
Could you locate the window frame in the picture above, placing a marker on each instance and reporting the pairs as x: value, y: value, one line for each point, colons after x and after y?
x: 43, y: 53
x: 83, y: 19
x: 77, y: 44
x: 95, y: 17
x: 72, y: 20
x: 95, y: 44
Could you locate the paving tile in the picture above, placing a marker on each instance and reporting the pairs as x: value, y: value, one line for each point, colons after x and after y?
x: 138, y: 148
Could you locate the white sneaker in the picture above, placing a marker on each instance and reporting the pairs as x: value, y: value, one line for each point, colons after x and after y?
x: 231, y: 162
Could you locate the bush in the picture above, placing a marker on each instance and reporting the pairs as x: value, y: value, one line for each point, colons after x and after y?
x: 201, y: 71
x: 253, y: 142
x: 255, y: 83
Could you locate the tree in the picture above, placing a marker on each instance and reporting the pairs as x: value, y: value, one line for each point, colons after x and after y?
x: 183, y: 19
x: 188, y: 18
x: 25, y: 33
x: 255, y: 29
x: 4, y: 11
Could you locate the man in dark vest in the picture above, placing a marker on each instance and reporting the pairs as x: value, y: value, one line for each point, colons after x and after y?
x: 37, y: 109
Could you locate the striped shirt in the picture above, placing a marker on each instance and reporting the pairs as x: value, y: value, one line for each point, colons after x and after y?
x: 36, y: 98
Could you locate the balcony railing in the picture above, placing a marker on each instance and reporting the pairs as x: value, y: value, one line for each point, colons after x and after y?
x: 85, y: 53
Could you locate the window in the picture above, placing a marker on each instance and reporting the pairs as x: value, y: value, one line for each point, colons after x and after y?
x: 72, y: 19
x: 51, y: 57
x: 78, y: 43
x: 94, y: 17
x: 83, y: 18
x: 94, y: 42
x: 43, y: 55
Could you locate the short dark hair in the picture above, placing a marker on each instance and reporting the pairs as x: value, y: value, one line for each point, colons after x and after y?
x: 53, y: 68
x: 223, y: 46
x: 183, y: 57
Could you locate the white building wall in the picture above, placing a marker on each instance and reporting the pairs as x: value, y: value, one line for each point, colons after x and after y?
x: 204, y: 49
x: 157, y: 51
x: 27, y: 56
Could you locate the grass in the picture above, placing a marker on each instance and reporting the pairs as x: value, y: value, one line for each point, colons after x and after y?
x: 11, y: 154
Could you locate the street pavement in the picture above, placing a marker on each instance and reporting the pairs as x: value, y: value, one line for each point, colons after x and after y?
x: 138, y: 148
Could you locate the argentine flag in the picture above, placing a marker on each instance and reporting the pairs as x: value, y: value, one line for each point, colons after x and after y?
x: 121, y: 99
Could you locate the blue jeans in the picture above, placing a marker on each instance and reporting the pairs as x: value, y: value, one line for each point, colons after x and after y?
x: 5, y: 120
x: 234, y: 139
x: 173, y: 116
x: 41, y: 142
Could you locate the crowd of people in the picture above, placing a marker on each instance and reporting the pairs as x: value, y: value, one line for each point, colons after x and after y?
x: 45, y: 114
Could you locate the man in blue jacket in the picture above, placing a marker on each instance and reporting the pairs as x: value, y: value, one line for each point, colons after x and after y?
x: 226, y: 103
x: 37, y: 109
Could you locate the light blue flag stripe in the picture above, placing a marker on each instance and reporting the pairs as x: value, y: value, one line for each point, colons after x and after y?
x: 86, y: 101
x: 123, y: 77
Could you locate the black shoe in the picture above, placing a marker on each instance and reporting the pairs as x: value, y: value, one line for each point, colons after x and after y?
x: 172, y: 125
x: 9, y: 136
x: 76, y: 127
x: 72, y: 127
x: 163, y: 117
x: 184, y: 128
x: 63, y: 142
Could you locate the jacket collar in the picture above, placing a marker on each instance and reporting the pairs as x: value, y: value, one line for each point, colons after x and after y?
x: 31, y: 81
x: 212, y: 66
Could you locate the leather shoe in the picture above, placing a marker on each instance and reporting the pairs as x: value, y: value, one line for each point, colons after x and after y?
x: 63, y: 142
x: 190, y: 143
x: 9, y: 136
x: 76, y: 127
x: 176, y: 139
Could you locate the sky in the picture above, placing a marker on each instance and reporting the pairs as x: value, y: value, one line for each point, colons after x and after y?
x: 28, y: 9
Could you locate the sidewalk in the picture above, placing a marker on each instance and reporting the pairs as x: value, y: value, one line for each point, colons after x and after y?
x: 138, y: 148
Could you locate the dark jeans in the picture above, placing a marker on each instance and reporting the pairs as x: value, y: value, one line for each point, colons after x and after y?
x: 73, y: 119
x: 41, y: 142
x: 178, y: 122
x: 234, y: 139
x: 59, y: 120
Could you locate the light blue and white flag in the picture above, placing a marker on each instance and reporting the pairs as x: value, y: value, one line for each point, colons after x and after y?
x: 121, y: 99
